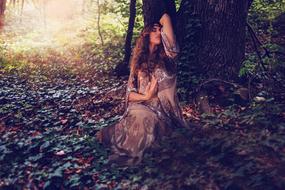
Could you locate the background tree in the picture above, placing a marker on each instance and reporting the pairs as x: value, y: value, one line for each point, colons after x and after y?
x: 98, y: 22
x: 2, y: 12
x: 122, y: 67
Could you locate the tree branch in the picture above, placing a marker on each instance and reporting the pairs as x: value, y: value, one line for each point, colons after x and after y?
x: 255, y: 40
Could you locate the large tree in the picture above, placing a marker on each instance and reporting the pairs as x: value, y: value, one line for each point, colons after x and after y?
x: 220, y: 37
x: 152, y: 9
x: 211, y: 34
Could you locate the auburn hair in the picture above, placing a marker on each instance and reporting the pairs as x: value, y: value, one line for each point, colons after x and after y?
x: 141, y: 57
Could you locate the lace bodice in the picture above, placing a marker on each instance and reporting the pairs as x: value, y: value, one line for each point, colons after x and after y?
x: 164, y: 80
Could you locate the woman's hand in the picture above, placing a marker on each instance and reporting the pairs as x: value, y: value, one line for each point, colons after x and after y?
x: 151, y: 89
x: 171, y: 54
x: 150, y: 92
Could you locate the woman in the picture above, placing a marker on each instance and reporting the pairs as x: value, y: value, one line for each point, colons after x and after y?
x: 164, y: 12
x: 151, y: 101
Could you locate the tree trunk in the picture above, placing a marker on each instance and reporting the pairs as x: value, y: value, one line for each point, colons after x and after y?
x: 152, y: 10
x: 22, y: 7
x: 98, y: 22
x: 13, y: 2
x: 212, y: 40
x: 2, y: 12
x: 2, y: 7
x: 130, y: 31
x: 122, y: 68
x: 221, y: 36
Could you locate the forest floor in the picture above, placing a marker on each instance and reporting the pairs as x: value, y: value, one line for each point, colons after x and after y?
x: 49, y: 114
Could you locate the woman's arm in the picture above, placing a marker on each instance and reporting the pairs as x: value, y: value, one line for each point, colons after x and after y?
x: 165, y: 21
x: 171, y: 48
x: 136, y: 97
x: 150, y: 92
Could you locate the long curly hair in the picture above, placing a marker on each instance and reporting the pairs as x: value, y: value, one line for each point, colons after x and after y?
x: 141, y: 58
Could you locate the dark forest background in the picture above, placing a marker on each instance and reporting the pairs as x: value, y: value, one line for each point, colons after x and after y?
x: 64, y: 68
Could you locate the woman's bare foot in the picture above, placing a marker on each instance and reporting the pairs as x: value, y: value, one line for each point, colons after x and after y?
x: 99, y: 136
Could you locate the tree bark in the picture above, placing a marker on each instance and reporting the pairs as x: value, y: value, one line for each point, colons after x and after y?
x: 153, y: 8
x: 221, y: 36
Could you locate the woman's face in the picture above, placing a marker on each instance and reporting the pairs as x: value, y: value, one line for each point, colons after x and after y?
x: 155, y: 35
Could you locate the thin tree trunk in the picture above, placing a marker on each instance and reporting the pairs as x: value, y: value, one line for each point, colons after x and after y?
x: 83, y: 6
x: 130, y: 31
x: 45, y: 13
x: 98, y: 22
x: 22, y: 7
x: 2, y: 13
x: 122, y: 68
x: 2, y: 7
x: 11, y: 3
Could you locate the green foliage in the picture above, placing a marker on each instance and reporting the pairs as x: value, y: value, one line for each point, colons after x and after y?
x: 188, y: 76
x: 49, y: 141
x: 139, y: 24
x: 263, y: 113
x: 115, y: 18
x: 249, y: 66
x: 268, y: 8
x: 263, y: 12
x: 252, y: 66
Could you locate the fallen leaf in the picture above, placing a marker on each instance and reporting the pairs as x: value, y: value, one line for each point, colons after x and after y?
x: 60, y: 153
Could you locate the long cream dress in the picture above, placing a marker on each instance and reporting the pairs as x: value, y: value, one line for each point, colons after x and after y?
x: 144, y: 123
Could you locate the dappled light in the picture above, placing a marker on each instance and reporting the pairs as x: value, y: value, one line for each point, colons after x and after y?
x: 58, y: 23
x: 52, y: 24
